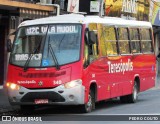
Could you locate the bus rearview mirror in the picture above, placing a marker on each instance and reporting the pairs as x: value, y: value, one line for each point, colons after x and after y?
x: 9, y: 45
x: 92, y: 37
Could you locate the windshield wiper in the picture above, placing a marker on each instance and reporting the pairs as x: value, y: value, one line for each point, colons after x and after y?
x: 29, y: 58
x: 54, y: 56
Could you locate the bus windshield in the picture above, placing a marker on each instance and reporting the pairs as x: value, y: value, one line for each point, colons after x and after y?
x: 47, y: 45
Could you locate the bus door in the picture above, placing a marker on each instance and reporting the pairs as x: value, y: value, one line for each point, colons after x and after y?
x: 97, y: 70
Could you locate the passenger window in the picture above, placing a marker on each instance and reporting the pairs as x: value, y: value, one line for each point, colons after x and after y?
x: 146, y: 42
x: 123, y: 41
x: 135, y: 41
x: 145, y: 34
x: 101, y: 37
x: 86, y: 50
x: 93, y: 47
x: 110, y: 40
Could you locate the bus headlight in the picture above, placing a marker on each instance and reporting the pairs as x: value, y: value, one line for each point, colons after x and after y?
x: 13, y: 86
x: 73, y: 83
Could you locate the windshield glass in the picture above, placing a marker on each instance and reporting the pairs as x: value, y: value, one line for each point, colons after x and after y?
x: 47, y: 45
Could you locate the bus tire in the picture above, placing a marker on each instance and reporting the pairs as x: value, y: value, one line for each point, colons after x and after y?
x: 90, y: 105
x: 132, y: 98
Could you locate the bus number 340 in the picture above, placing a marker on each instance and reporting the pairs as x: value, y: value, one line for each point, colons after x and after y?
x: 58, y: 82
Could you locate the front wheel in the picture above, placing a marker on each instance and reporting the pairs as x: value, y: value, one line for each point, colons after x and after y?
x: 90, y: 105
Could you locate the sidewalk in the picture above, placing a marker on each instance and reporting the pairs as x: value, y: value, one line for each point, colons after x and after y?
x: 4, y: 104
x: 158, y: 81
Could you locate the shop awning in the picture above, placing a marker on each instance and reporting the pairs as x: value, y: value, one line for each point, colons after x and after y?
x: 17, y: 4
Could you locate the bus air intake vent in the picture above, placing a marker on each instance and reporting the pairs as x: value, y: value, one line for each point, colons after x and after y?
x: 51, y: 96
x: 42, y: 75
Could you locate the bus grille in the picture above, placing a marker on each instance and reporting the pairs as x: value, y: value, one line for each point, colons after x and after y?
x: 51, y: 96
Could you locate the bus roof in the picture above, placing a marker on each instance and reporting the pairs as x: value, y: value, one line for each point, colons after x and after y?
x: 76, y: 18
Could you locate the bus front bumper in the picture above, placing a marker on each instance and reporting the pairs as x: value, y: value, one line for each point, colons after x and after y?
x: 54, y: 96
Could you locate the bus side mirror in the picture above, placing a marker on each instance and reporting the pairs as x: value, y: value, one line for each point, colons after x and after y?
x: 9, y: 45
x: 92, y: 37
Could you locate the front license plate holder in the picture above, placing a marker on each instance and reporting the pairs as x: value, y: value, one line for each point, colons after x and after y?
x: 41, y: 101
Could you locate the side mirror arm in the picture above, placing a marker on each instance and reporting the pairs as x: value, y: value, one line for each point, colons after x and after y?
x: 9, y: 45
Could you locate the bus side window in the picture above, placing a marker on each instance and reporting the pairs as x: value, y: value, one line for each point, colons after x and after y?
x: 135, y: 41
x: 101, y: 37
x: 86, y: 50
x: 110, y: 41
x: 86, y: 56
x: 90, y: 48
x: 123, y: 41
x: 95, y: 47
x: 93, y: 54
x: 146, y: 41
x: 88, y: 43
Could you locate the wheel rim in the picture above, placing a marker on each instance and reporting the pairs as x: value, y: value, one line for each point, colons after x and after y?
x: 135, y: 93
x: 89, y: 103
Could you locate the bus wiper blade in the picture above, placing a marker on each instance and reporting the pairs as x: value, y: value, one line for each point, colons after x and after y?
x: 54, y: 57
x: 29, y: 58
x: 27, y: 62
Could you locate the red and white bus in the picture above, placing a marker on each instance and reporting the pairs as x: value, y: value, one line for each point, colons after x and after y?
x: 80, y: 60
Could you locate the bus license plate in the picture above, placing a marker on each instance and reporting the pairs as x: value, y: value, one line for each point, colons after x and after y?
x: 41, y: 101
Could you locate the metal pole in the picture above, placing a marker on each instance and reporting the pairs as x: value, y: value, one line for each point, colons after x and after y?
x: 101, y: 11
